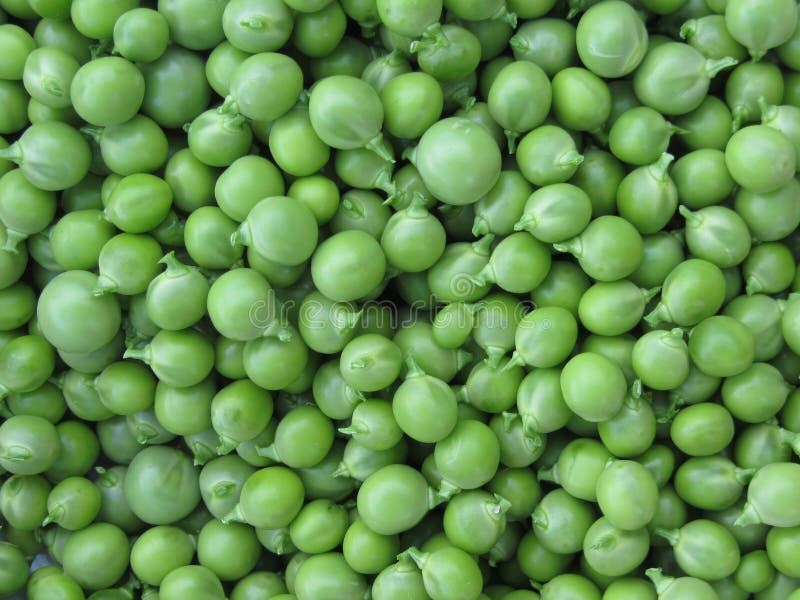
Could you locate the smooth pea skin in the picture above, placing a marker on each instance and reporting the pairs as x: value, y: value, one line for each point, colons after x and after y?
x: 611, y: 237
x: 702, y: 429
x: 627, y: 494
x: 760, y: 159
x: 682, y: 70
x: 393, y: 499
x: 467, y: 170
x: 348, y: 265
x: 721, y: 346
x: 593, y: 386
x: 611, y: 39
x: 160, y: 550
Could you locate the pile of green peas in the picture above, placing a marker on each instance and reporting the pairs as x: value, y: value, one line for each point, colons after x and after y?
x: 399, y: 299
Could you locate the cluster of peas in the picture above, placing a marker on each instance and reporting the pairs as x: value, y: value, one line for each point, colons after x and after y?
x: 419, y: 303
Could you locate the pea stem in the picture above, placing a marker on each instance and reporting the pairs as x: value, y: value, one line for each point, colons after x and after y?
x: 378, y: 146
x: 144, y: 354
x: 548, y: 474
x: 660, y: 314
x: 511, y: 138
x: 714, y: 66
x: 105, y: 285
x: 93, y: 132
x: 570, y: 158
x: 483, y: 246
x: 175, y: 268
x: 234, y: 516
x: 748, y: 516
x: 418, y: 207
x: 341, y: 471
x: 660, y: 168
x: 688, y: 29
x: 743, y: 476
x: 268, y: 452
x: 499, y: 508
x: 480, y: 226
x: 226, y: 445
x: 508, y: 420
x: 660, y: 581
x: 12, y: 153
x: 417, y: 556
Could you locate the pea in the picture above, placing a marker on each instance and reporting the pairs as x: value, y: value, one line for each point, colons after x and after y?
x: 424, y: 407
x: 673, y: 64
x: 196, y: 580
x: 450, y: 278
x: 755, y: 571
x: 704, y: 549
x: 759, y: 32
x: 766, y: 496
x: 613, y: 238
x: 470, y: 153
x: 566, y: 584
x: 266, y: 583
x: 611, y: 39
x: 695, y: 279
x: 468, y: 457
x: 612, y: 551
x: 448, y: 573
x: 167, y: 353
x: 556, y: 212
x: 413, y: 239
x: 721, y: 338
x: 593, y: 386
x: 348, y: 265
x: 669, y: 588
x: 547, y: 42
x: 710, y: 125
x: 519, y: 78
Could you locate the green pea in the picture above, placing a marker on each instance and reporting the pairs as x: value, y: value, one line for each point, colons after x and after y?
x: 176, y: 298
x: 768, y: 269
x: 627, y: 494
x: 519, y: 78
x: 424, y: 407
x: 578, y: 467
x: 537, y: 562
x: 656, y: 349
x: 674, y: 64
x: 468, y: 457
x: 612, y: 237
x: 611, y: 39
x: 760, y: 32
x: 548, y: 155
x: 393, y: 499
x: 467, y: 171
x: 73, y: 504
x: 160, y: 550
x: 23, y: 500
x: 612, y: 551
x: 125, y: 387
x: 711, y: 482
x: 721, y: 346
x: 348, y: 265
x: 195, y: 580
x: 98, y: 544
x: 302, y: 439
x: 710, y: 125
x: 368, y: 552
x: 46, y: 401
x: 257, y: 26
x: 612, y: 308
x: 593, y: 386
x: 581, y: 100
x: 547, y: 42
x: 239, y: 412
x: 18, y: 302
x: 453, y: 324
x: 662, y: 253
x: 556, y: 212
x: 765, y: 146
x: 28, y: 445
x: 632, y: 430
x: 545, y: 337
x: 704, y: 549
x: 693, y: 291
x: 702, y: 429
x: 363, y: 209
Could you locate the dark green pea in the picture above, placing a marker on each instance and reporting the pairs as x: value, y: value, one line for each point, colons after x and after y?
x: 612, y: 237
x: 694, y: 290
x: 702, y: 429
x: 457, y: 221
x: 548, y: 155
x: 23, y: 501
x: 230, y: 550
x: 711, y: 482
x: 754, y: 148
x: 113, y: 505
x: 518, y: 448
x: 176, y: 299
x: 549, y: 43
x: 556, y: 212
x: 560, y: 522
x: 117, y: 439
x: 710, y: 36
x: 674, y: 64
x: 707, y: 126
